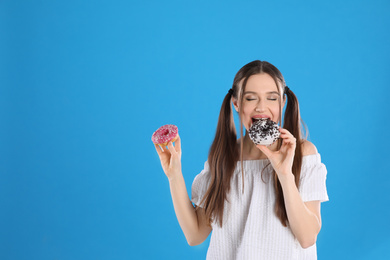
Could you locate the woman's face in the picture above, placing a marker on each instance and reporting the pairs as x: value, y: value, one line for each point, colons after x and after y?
x: 260, y: 100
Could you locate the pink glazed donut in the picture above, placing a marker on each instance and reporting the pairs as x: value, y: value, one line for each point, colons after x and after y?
x: 165, y: 134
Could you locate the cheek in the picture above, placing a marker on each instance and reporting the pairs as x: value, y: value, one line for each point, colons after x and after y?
x: 247, y: 112
x: 275, y: 112
x: 248, y: 108
x: 246, y: 117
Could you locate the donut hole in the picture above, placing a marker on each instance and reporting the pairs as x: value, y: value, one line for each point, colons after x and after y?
x: 165, y: 132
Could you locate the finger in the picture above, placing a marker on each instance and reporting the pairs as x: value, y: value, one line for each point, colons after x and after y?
x: 287, y: 137
x: 158, y: 149
x: 171, y: 148
x: 178, y: 144
x: 284, y: 131
x: 164, y: 148
x: 289, y: 141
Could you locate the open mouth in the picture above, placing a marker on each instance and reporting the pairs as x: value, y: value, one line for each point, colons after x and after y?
x: 254, y: 119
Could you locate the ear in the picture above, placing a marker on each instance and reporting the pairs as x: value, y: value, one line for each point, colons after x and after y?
x: 284, y: 100
x: 235, y: 104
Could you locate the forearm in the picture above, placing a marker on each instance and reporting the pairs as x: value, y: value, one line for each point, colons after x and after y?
x: 185, y: 212
x: 304, y: 223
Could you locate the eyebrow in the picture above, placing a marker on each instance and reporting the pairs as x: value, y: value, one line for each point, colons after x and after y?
x: 252, y: 92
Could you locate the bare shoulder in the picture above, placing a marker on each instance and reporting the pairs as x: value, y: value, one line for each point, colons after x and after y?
x: 308, y: 148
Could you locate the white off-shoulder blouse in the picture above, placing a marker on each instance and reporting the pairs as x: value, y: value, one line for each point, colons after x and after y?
x: 250, y: 228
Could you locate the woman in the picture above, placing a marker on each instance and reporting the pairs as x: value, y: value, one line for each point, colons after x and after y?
x: 259, y: 202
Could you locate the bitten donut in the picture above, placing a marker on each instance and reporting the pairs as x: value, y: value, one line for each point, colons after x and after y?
x: 165, y: 134
x: 264, y: 131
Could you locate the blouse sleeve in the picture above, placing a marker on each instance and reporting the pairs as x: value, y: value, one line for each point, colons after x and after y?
x: 313, y: 179
x: 200, y: 185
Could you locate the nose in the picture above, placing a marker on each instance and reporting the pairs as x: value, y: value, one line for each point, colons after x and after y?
x: 260, y: 107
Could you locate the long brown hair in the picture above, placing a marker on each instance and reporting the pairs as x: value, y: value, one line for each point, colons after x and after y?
x: 223, y: 154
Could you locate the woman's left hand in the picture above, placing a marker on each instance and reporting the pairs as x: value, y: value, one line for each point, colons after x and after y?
x: 282, y: 160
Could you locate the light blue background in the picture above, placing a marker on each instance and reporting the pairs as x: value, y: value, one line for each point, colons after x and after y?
x: 84, y: 84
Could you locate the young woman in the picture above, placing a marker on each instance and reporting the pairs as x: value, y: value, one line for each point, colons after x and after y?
x: 259, y: 202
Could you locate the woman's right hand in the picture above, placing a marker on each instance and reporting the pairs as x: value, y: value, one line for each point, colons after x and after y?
x: 170, y: 158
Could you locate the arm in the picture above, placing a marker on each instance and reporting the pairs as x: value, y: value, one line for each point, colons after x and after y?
x: 192, y: 220
x: 304, y: 217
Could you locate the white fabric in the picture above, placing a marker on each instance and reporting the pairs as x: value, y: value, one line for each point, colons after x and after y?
x: 250, y: 227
